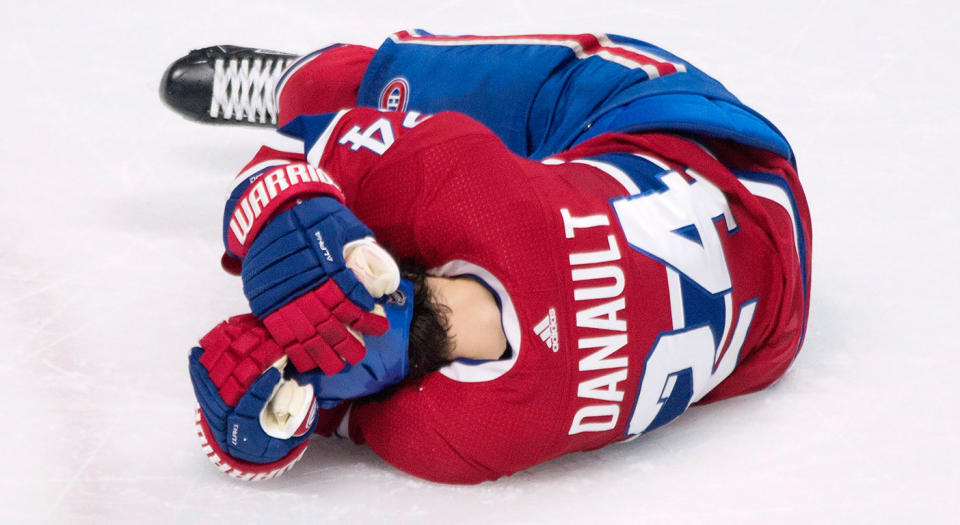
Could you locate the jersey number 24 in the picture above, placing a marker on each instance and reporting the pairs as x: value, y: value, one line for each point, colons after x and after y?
x: 680, y: 227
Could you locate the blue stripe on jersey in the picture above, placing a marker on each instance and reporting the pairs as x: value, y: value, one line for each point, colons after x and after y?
x: 781, y: 183
x: 701, y: 308
x: 308, y: 128
x: 643, y: 173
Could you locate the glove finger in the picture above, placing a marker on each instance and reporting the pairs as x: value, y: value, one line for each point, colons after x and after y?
x: 352, y: 289
x: 214, y: 344
x: 300, y: 358
x: 279, y: 330
x: 350, y: 349
x: 333, y: 294
x: 312, y: 312
x: 324, y: 355
x: 242, y: 322
x: 340, y: 342
x: 344, y: 227
x: 280, y: 227
x: 275, y: 268
x: 296, y: 327
x: 361, y: 321
x: 270, y: 299
x: 201, y: 381
x: 371, y: 323
x: 259, y: 392
x: 207, y: 395
x: 298, y: 317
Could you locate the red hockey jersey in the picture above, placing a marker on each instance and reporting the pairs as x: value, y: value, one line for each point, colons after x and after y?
x: 636, y: 275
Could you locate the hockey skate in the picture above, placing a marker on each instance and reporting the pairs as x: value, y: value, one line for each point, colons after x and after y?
x: 226, y: 85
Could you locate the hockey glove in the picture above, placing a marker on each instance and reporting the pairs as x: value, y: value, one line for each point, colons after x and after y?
x: 252, y: 423
x: 294, y: 265
x: 386, y: 361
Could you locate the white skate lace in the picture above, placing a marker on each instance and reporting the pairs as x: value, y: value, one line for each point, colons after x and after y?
x: 243, y: 88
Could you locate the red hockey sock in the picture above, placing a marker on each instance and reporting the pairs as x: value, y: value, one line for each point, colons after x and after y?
x: 323, y: 82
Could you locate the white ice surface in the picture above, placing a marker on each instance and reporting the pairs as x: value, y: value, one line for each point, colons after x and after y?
x: 109, y: 244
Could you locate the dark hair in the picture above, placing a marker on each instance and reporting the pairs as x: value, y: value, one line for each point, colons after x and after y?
x: 430, y: 346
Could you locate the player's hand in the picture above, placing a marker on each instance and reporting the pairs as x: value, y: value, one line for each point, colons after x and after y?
x: 287, y: 231
x: 386, y: 361
x: 252, y: 423
x: 296, y: 277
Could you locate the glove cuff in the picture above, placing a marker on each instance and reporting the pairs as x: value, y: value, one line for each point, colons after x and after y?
x: 267, y: 192
x: 237, y: 468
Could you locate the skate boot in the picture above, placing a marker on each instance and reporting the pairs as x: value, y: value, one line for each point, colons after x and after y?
x: 226, y: 85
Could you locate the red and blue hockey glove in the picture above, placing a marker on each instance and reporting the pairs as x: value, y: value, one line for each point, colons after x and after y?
x: 252, y: 423
x: 386, y: 361
x: 294, y: 265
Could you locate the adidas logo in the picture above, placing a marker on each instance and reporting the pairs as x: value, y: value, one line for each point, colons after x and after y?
x: 547, y: 330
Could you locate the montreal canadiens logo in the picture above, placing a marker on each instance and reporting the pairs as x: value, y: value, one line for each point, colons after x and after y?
x: 395, y: 96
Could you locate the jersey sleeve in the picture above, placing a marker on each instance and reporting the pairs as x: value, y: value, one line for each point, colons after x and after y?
x: 402, y: 431
x: 329, y: 420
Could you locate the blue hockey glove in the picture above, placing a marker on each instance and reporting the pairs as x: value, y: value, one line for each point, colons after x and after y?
x: 252, y: 423
x: 300, y: 249
x: 295, y: 274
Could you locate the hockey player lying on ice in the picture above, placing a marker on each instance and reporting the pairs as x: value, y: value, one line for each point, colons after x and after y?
x: 609, y: 236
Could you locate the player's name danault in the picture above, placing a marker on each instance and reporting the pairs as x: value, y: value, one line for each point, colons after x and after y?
x: 266, y: 188
x: 601, y: 367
